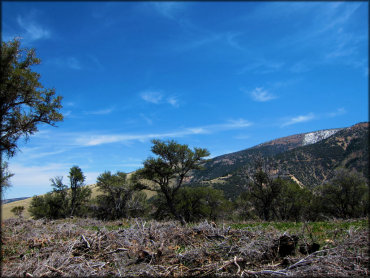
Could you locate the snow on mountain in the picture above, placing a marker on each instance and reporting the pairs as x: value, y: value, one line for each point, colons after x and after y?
x: 316, y: 136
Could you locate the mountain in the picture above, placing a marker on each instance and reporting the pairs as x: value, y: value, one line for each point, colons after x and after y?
x: 13, y: 200
x: 308, y: 158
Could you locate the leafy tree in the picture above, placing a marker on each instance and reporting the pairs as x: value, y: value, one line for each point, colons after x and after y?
x: 264, y: 191
x: 18, y: 210
x: 196, y: 203
x: 345, y: 195
x: 292, y: 201
x: 62, y: 201
x: 116, y: 200
x: 39, y: 207
x: 24, y: 102
x: 193, y: 204
x: 80, y: 194
x: 169, y: 169
x: 5, y: 176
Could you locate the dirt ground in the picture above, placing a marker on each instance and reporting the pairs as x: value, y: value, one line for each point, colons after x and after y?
x: 89, y: 247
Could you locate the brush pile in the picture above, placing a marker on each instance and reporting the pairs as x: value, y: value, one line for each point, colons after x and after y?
x: 89, y: 247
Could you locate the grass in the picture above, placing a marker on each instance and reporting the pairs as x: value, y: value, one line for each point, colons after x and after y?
x: 321, y: 231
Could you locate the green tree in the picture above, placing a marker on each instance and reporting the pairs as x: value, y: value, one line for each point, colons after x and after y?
x: 263, y: 191
x: 24, y: 102
x: 292, y: 201
x: 18, y: 210
x: 117, y: 191
x: 63, y: 201
x: 169, y: 169
x: 80, y: 193
x: 345, y: 195
x: 196, y: 203
x: 5, y: 176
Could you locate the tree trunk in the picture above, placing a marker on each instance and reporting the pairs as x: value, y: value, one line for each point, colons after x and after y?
x: 174, y: 211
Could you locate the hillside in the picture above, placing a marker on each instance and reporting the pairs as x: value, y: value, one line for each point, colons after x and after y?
x: 309, y: 159
x: 13, y: 200
x: 226, y: 164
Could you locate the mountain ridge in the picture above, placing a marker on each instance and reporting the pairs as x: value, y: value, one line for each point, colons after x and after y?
x: 309, y: 162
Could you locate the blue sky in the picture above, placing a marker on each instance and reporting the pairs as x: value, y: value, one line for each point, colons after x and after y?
x: 219, y: 75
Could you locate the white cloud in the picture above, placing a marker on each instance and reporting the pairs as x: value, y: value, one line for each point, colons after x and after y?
x: 262, y: 66
x: 66, y: 62
x: 299, y: 119
x: 36, y: 175
x: 261, y: 95
x: 157, y: 97
x: 338, y: 112
x: 32, y: 30
x: 95, y: 140
x: 168, y: 9
x: 152, y: 96
x: 173, y: 101
x: 100, y: 112
x: 39, y: 176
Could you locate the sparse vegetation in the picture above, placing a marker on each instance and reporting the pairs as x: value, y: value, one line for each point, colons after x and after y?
x: 89, y: 247
x: 18, y: 210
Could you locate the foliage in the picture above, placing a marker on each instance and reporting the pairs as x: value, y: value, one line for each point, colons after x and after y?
x: 24, y: 102
x: 200, y: 203
x: 169, y: 169
x: 263, y: 192
x: 5, y: 175
x: 62, y: 201
x: 118, y: 199
x: 80, y: 194
x: 18, y: 210
x: 292, y: 202
x: 345, y: 195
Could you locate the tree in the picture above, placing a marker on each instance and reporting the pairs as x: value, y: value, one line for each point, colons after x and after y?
x: 117, y: 192
x: 169, y: 169
x: 292, y: 201
x: 79, y: 192
x: 264, y: 190
x: 62, y: 201
x: 24, y: 102
x: 345, y: 195
x: 5, y: 176
x: 18, y: 210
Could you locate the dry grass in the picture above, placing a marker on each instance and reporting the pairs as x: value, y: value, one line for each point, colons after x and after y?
x: 88, y: 247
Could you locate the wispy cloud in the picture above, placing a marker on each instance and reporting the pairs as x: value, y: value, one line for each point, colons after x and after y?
x: 338, y: 112
x: 32, y: 30
x: 66, y: 62
x: 299, y: 119
x: 157, y: 97
x: 261, y: 95
x: 152, y: 96
x: 94, y: 140
x: 168, y: 9
x: 39, y: 176
x: 261, y: 66
x: 173, y: 101
x: 100, y: 111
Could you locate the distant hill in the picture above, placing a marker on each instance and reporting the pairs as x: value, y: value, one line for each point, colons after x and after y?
x: 13, y: 200
x: 308, y: 158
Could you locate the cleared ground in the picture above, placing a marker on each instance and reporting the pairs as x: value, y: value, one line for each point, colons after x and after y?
x: 88, y: 247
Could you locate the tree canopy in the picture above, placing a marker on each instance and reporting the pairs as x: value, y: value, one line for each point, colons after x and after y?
x: 24, y: 102
x: 169, y: 169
